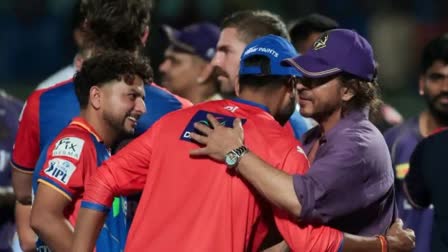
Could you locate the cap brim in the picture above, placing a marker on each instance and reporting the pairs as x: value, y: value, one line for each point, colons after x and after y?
x: 311, y: 67
x: 172, y: 35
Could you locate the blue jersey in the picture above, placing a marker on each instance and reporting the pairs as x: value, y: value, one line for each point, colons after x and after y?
x: 65, y: 165
x: 402, y: 141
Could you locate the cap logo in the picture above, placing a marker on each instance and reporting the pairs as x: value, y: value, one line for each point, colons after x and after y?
x: 210, y: 52
x: 321, y: 42
x: 261, y: 49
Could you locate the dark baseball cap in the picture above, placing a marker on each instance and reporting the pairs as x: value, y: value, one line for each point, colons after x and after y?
x: 276, y: 49
x: 199, y: 38
x: 338, y: 50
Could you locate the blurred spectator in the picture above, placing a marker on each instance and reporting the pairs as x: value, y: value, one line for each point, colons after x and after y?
x: 9, y: 114
x: 68, y: 71
x: 304, y: 31
x: 186, y: 69
x: 433, y: 86
x: 425, y: 184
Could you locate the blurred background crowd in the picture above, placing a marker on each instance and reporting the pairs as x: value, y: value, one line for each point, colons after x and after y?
x: 36, y: 38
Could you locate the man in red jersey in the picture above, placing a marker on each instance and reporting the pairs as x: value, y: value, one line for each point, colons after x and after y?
x: 48, y: 111
x: 110, y: 90
x: 188, y: 204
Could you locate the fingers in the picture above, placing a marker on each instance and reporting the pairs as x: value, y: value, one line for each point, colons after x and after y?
x: 237, y: 124
x: 198, y: 138
x: 215, y: 123
x: 204, y: 129
x: 399, y: 223
x: 198, y: 152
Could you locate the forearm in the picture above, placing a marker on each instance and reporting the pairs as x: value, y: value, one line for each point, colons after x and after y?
x: 27, y: 237
x: 22, y: 185
x: 275, y: 185
x: 88, y: 227
x: 55, y: 231
x: 354, y: 243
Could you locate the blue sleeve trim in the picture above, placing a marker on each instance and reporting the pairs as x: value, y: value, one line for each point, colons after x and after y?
x: 341, y: 246
x: 95, y: 206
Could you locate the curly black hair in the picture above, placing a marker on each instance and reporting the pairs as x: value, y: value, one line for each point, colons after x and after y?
x: 116, y: 24
x: 108, y: 66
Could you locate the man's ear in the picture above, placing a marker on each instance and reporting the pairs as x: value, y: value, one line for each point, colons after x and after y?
x: 95, y: 97
x: 347, y: 94
x: 145, y: 35
x: 421, y: 85
x: 205, y: 73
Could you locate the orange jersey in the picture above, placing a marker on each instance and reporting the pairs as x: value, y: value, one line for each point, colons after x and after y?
x: 196, y: 204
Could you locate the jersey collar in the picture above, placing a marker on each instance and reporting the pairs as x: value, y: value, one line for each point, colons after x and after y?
x: 251, y: 103
x: 81, y: 122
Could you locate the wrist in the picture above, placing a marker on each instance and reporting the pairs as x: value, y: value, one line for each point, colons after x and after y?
x: 233, y: 157
x: 384, y: 244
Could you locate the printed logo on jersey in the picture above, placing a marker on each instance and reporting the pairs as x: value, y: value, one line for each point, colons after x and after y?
x: 401, y: 170
x: 68, y: 147
x: 60, y: 169
x: 201, y: 117
x: 300, y: 150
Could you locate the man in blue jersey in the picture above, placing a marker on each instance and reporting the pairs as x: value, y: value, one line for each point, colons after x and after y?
x: 238, y: 30
x: 9, y: 115
x: 118, y: 25
x: 111, y: 96
x: 403, y: 139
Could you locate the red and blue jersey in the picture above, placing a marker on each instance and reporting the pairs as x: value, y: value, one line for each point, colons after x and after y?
x: 194, y: 204
x: 48, y: 111
x: 69, y: 161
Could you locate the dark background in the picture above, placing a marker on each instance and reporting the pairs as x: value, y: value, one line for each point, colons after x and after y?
x: 35, y: 37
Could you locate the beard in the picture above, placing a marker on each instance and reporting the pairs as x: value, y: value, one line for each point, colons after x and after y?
x: 439, y: 111
x: 117, y: 123
x: 283, y: 116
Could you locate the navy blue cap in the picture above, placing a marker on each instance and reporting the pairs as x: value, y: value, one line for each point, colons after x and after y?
x: 198, y: 38
x: 275, y: 48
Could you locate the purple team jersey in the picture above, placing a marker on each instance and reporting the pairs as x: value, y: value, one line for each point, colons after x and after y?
x: 402, y: 141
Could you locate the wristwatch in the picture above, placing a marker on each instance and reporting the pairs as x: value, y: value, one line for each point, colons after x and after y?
x: 233, y: 157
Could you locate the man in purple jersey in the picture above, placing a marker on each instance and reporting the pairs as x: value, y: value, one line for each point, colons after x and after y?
x: 402, y: 139
x: 9, y: 114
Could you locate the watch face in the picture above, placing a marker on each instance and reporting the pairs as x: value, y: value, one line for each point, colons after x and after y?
x: 231, y: 159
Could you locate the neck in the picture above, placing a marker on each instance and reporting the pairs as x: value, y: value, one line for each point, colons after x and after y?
x: 105, y: 132
x: 428, y: 123
x: 330, y: 121
x: 201, y: 92
x: 271, y: 101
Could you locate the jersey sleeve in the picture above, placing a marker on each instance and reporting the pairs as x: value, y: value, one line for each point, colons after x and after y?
x: 26, y: 148
x: 70, y: 159
x: 304, y: 237
x: 123, y: 174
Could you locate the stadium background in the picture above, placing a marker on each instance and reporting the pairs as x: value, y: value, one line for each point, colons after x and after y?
x: 35, y: 35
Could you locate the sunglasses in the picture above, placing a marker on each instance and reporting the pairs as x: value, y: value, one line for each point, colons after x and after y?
x: 311, y: 83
